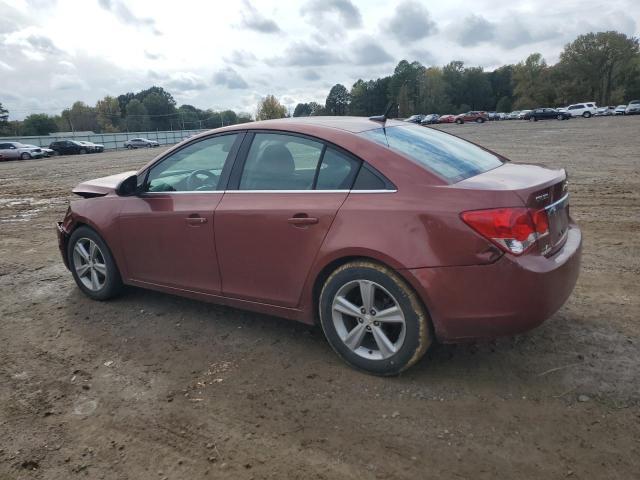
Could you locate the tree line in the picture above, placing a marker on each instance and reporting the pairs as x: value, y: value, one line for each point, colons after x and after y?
x: 603, y: 67
x: 147, y: 110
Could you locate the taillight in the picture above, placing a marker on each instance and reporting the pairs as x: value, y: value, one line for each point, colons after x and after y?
x: 514, y: 230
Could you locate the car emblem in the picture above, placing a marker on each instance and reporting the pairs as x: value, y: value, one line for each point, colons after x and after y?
x: 542, y: 197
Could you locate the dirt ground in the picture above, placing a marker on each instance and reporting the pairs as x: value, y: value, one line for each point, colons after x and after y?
x: 151, y: 386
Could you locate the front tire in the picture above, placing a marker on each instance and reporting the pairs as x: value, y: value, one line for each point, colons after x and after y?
x: 586, y: 114
x: 373, y: 319
x: 459, y: 122
x: 25, y: 156
x: 92, y: 265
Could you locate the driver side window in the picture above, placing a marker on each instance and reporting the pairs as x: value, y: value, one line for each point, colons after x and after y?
x: 195, y: 168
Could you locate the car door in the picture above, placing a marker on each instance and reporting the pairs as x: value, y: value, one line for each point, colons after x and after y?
x: 283, y: 195
x: 167, y: 230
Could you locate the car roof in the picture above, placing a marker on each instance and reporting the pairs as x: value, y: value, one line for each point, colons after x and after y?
x: 301, y: 124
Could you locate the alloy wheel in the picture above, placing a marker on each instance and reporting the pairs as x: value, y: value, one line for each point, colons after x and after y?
x: 368, y: 320
x: 89, y: 264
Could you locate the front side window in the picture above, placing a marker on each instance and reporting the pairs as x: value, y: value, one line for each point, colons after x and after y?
x: 281, y: 162
x: 196, y: 167
x: 446, y: 155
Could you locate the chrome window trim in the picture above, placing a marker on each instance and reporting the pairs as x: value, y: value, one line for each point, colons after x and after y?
x: 553, y: 205
x: 266, y: 191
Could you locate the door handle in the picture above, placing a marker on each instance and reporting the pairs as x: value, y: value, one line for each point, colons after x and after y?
x: 302, y: 219
x: 195, y: 220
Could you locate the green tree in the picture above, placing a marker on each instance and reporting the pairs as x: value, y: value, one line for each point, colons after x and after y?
x: 477, y: 89
x: 337, y: 102
x: 504, y: 105
x: 302, y: 110
x: 108, y: 114
x: 38, y: 124
x: 317, y: 109
x: 137, y: 118
x: 601, y: 62
x: 4, y: 117
x: 501, y: 80
x: 433, y: 92
x: 269, y: 107
x: 369, y: 97
x: 453, y: 74
x: 160, y: 110
x: 532, y: 85
x: 82, y: 117
x: 404, y: 86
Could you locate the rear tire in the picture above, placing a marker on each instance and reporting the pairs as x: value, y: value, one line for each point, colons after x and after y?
x: 92, y: 265
x: 360, y: 331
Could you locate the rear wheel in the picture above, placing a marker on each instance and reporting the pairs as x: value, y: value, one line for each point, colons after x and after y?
x: 373, y: 319
x: 92, y: 265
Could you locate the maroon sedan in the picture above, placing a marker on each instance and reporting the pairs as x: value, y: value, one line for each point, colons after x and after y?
x: 387, y: 234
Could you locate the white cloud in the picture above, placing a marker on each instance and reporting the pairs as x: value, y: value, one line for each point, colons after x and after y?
x: 230, y: 54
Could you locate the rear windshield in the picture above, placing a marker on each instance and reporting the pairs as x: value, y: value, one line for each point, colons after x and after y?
x: 445, y: 155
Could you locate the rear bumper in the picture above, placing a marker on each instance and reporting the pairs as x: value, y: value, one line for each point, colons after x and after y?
x: 510, y: 296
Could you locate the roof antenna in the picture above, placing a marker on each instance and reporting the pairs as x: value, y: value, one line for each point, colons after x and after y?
x: 383, y: 118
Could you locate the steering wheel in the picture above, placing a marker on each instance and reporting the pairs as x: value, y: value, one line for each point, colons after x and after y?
x: 195, y: 183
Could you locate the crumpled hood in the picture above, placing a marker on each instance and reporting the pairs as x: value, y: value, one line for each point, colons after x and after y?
x: 99, y: 187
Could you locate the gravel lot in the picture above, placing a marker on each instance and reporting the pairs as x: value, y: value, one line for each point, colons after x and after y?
x: 155, y: 386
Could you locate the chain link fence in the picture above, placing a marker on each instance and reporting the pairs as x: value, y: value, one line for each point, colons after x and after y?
x: 111, y: 141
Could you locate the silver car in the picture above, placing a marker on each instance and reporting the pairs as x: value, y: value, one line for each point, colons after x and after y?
x: 140, y: 143
x: 15, y: 150
x: 633, y: 108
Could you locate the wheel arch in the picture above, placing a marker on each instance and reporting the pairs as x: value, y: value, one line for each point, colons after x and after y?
x: 332, y: 265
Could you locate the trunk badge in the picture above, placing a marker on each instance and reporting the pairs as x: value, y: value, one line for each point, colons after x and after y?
x: 542, y: 197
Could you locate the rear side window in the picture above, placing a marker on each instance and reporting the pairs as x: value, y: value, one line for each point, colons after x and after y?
x: 281, y: 162
x: 337, y: 171
x: 368, y: 180
x: 445, y: 155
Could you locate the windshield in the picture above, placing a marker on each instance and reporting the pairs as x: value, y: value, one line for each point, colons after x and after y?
x: 445, y: 155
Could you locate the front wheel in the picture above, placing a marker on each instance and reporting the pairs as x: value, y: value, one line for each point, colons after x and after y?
x: 83, y: 151
x: 25, y: 156
x: 586, y: 114
x: 459, y: 122
x: 373, y: 319
x: 92, y: 265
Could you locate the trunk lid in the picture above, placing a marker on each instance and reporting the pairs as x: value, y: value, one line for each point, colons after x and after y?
x: 539, y: 188
x: 102, y: 186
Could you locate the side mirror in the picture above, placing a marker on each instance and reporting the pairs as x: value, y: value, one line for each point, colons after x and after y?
x: 129, y: 186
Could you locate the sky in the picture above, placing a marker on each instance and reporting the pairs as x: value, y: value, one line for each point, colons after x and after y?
x: 229, y: 54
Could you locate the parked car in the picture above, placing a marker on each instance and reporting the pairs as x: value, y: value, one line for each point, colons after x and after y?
x: 522, y: 113
x: 633, y: 108
x: 286, y: 217
x: 447, y: 118
x: 493, y: 116
x: 620, y: 110
x: 92, y: 147
x: 17, y: 150
x: 430, y: 119
x: 473, y: 116
x: 514, y: 115
x: 546, y: 114
x: 68, y: 147
x: 140, y: 143
x: 46, y: 152
x: 415, y: 118
x: 586, y: 110
x: 605, y: 111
